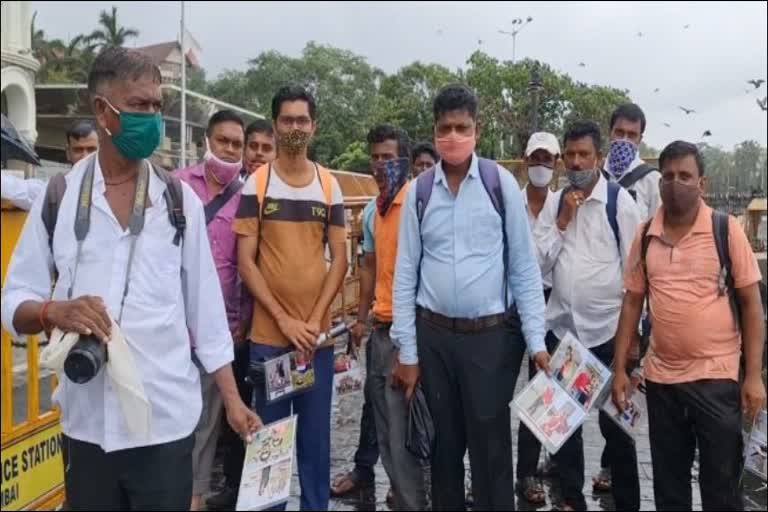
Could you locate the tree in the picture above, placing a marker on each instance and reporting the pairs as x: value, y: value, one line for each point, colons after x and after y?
x: 111, y: 34
x: 405, y: 98
x: 354, y: 158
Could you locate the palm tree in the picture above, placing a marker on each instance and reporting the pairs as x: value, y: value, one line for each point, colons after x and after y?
x: 110, y: 34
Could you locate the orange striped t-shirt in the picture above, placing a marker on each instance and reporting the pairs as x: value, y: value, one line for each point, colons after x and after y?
x: 291, y: 253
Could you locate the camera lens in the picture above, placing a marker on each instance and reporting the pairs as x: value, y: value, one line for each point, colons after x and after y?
x: 85, y: 359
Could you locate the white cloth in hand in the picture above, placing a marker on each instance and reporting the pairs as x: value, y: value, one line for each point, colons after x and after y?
x: 121, y: 370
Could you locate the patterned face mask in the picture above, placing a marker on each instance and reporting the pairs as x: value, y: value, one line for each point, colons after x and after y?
x: 395, y: 173
x: 621, y: 155
x: 293, y: 142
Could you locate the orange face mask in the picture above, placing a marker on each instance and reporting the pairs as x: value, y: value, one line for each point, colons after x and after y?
x: 455, y: 149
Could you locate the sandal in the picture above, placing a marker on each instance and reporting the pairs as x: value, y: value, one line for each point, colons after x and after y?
x: 348, y: 483
x: 531, y: 490
x: 602, y: 482
x: 548, y: 469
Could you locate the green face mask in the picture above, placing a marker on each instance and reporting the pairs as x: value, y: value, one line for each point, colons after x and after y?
x: 139, y: 133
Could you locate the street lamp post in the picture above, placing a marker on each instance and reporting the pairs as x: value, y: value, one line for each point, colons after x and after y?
x: 520, y: 24
x: 534, y: 88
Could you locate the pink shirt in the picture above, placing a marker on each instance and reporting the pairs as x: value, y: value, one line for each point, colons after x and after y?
x: 222, y: 239
x: 694, y: 332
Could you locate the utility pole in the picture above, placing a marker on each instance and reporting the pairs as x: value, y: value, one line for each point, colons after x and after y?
x: 183, y: 136
x: 520, y: 24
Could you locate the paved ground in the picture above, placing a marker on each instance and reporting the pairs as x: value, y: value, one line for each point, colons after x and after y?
x: 345, y: 429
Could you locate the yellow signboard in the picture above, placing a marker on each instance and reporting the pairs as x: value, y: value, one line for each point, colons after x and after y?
x: 31, y: 468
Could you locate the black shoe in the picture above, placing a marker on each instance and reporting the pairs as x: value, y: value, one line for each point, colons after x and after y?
x: 226, y: 499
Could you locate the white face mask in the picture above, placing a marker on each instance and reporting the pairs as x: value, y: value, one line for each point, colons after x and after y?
x: 540, y: 175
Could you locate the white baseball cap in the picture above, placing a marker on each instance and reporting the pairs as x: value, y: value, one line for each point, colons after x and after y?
x: 545, y: 141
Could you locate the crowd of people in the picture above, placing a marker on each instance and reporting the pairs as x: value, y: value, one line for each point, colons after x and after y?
x: 463, y: 274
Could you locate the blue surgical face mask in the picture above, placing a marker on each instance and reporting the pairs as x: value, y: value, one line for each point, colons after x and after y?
x: 580, y: 179
x: 139, y: 135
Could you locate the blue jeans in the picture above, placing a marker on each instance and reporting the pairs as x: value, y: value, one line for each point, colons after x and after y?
x: 313, y: 436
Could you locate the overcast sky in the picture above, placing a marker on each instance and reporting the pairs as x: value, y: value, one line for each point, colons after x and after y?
x: 704, y: 67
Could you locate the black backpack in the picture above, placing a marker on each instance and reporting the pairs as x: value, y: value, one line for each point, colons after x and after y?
x: 720, y: 233
x: 173, y: 195
x: 638, y: 173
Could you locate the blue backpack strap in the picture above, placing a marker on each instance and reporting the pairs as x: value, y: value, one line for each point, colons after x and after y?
x: 489, y: 175
x: 720, y: 232
x: 424, y: 184
x: 423, y: 192
x: 611, y: 209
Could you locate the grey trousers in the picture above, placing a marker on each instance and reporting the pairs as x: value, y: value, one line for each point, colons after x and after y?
x: 390, y: 411
x: 206, y: 434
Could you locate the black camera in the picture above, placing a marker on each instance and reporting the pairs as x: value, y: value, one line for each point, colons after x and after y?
x: 85, y: 359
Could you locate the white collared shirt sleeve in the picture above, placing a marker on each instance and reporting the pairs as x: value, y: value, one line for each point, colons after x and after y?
x: 547, y: 236
x: 21, y: 192
x: 30, y: 272
x: 206, y: 315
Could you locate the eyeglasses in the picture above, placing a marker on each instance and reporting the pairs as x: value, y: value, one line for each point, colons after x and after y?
x: 300, y: 121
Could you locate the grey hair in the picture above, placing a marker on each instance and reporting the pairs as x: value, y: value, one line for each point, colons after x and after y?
x: 116, y: 63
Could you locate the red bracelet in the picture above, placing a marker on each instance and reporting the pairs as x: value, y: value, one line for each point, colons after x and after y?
x: 43, y: 310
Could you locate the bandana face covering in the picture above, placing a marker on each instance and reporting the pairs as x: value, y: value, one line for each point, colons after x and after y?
x: 621, y: 155
x: 394, y: 173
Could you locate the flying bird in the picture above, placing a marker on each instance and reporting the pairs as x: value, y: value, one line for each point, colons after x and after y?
x: 656, y: 90
x: 707, y: 133
x: 639, y: 34
x: 480, y: 41
x: 668, y: 125
x: 582, y: 65
x: 439, y: 31
x: 763, y: 103
x: 687, y: 110
x: 687, y: 26
x: 756, y: 83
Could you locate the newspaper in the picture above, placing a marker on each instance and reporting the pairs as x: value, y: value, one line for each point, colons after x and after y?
x: 553, y: 407
x: 294, y: 372
x: 348, y: 378
x: 635, y: 408
x: 755, y: 456
x: 288, y: 375
x: 268, y: 466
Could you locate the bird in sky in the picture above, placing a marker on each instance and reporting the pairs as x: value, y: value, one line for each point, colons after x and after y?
x: 582, y: 65
x: 687, y: 26
x: 763, y: 103
x: 687, y: 110
x: 656, y: 90
x: 639, y: 34
x: 706, y: 133
x: 668, y: 125
x: 756, y: 82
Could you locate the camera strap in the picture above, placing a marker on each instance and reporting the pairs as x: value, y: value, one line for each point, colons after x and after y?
x: 83, y: 221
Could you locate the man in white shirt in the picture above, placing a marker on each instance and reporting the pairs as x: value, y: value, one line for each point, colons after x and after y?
x: 541, y: 156
x: 583, y: 236
x: 623, y: 164
x: 173, y: 294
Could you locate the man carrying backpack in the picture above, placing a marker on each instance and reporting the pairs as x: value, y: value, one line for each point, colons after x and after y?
x: 128, y: 243
x: 702, y: 278
x: 583, y: 236
x: 623, y: 164
x: 465, y: 256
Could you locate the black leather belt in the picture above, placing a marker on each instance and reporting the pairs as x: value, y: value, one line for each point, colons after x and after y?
x: 461, y: 325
